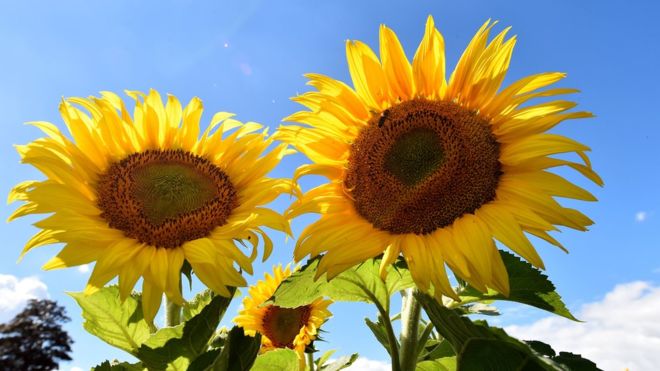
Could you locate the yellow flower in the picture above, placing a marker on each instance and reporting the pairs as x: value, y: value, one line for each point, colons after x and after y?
x: 434, y: 169
x: 139, y: 195
x: 292, y: 328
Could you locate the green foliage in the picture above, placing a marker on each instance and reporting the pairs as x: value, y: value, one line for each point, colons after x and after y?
x: 118, y: 366
x: 277, y: 360
x: 527, y: 285
x: 379, y: 331
x: 480, y: 347
x: 170, y: 348
x: 340, y: 364
x: 118, y: 324
x: 443, y: 364
x: 180, y: 345
x: 195, y: 306
x: 239, y: 353
x: 359, y: 283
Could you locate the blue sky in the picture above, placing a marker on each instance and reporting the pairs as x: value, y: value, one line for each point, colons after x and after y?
x: 248, y: 57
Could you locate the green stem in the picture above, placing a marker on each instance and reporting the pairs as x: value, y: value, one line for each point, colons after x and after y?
x: 410, y: 313
x: 385, y: 319
x: 391, y: 339
x: 310, y: 361
x: 172, y: 313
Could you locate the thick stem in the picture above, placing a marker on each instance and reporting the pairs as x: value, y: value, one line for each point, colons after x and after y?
x: 410, y: 313
x: 172, y: 313
x: 310, y: 361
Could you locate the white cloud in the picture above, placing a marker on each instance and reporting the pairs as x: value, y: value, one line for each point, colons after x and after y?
x: 365, y: 364
x: 83, y: 268
x: 75, y: 368
x: 641, y: 216
x: 621, y: 331
x: 15, y: 292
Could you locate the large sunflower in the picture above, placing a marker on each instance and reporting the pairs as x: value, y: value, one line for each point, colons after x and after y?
x: 431, y: 169
x: 292, y: 328
x: 139, y: 195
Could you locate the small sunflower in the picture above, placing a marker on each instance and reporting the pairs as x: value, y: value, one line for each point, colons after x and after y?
x: 434, y: 169
x: 292, y: 328
x: 139, y: 195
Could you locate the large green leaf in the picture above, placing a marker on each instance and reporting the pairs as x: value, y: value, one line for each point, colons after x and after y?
x: 359, y: 283
x: 176, y: 347
x: 573, y: 362
x: 478, y: 344
x: 194, y: 306
x: 480, y: 354
x: 239, y: 353
x: 277, y: 360
x: 527, y: 285
x: 442, y: 364
x: 118, y: 324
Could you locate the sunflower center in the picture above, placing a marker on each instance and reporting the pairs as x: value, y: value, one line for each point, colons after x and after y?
x: 165, y: 197
x: 282, y: 325
x: 414, y: 156
x: 421, y: 165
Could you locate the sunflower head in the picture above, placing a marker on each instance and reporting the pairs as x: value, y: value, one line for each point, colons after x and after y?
x: 293, y: 328
x: 139, y: 194
x: 431, y: 168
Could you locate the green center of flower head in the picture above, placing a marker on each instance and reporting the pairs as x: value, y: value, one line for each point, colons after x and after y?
x: 168, y: 190
x: 282, y: 325
x: 420, y: 165
x: 414, y: 156
x: 165, y: 197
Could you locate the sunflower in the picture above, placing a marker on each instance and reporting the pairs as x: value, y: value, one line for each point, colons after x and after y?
x: 140, y: 195
x: 293, y: 328
x: 431, y: 169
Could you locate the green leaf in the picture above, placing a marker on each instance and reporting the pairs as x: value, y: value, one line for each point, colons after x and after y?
x: 341, y: 363
x: 478, y: 346
x: 359, y: 283
x: 422, y: 340
x: 118, y: 366
x: 239, y: 353
x: 571, y: 361
x: 541, y: 348
x: 435, y: 349
x: 205, y: 360
x: 575, y: 362
x: 495, y: 354
x: 378, y: 329
x: 442, y: 364
x: 186, y: 270
x: 527, y: 285
x: 324, y: 358
x: 176, y: 347
x: 193, y: 307
x: 277, y: 360
x: 118, y: 324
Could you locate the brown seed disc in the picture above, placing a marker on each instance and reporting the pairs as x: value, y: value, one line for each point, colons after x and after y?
x: 422, y: 164
x: 165, y: 197
x: 281, y: 325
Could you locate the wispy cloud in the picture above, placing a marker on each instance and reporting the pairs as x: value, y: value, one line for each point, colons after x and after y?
x: 83, y: 268
x: 641, y: 216
x: 15, y: 292
x: 621, y: 331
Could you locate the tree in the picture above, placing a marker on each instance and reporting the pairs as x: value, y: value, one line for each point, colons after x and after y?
x: 34, y: 339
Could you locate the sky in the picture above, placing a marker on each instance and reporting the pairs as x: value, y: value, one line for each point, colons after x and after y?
x: 249, y: 58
